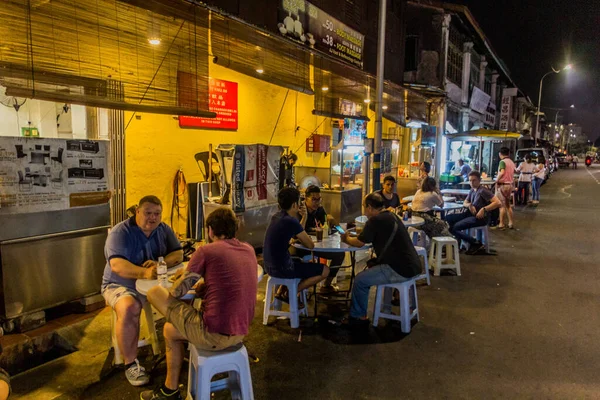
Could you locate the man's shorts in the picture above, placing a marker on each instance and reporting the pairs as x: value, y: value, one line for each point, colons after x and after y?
x: 113, y: 292
x: 504, y: 193
x: 299, y: 270
x: 190, y: 324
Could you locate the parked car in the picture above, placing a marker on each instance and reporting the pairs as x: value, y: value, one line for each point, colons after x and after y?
x: 535, y: 153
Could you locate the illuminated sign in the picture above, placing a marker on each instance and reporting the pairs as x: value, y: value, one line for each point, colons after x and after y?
x: 223, y: 100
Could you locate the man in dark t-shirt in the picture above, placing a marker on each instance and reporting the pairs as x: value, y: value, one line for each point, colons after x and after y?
x: 283, y: 227
x: 391, y: 201
x: 480, y: 201
x: 398, y: 263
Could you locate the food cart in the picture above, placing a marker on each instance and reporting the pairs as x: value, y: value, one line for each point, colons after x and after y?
x: 479, y: 149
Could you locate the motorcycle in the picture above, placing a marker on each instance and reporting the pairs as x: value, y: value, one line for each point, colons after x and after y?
x: 588, y: 161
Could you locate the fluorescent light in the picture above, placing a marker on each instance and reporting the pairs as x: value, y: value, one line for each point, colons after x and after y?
x: 324, y: 88
x: 260, y: 71
x: 367, y: 101
x: 384, y: 107
x: 154, y: 41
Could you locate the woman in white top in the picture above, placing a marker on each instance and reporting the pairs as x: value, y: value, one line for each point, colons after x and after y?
x: 538, y: 178
x: 422, y: 205
x: 526, y: 170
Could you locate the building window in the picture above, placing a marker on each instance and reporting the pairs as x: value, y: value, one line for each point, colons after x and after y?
x: 474, y: 75
x: 455, y: 57
x: 487, y: 87
x: 411, y: 60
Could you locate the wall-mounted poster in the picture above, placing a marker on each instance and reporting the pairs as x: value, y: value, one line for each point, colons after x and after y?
x: 52, y: 174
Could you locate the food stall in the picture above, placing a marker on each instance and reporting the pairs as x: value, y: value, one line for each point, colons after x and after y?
x: 416, y: 147
x: 479, y: 149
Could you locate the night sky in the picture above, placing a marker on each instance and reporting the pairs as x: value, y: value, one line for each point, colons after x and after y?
x: 531, y: 36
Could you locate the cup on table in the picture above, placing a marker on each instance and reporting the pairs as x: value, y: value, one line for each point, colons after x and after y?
x: 319, y: 234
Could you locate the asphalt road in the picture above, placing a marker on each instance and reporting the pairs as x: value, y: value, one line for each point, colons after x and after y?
x: 519, y: 325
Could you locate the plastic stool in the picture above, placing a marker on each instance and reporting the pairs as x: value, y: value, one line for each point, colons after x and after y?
x: 275, y: 310
x: 422, y: 252
x: 206, y: 364
x: 419, y: 238
x: 152, y: 336
x: 452, y: 260
x: 406, y: 315
x: 482, y: 234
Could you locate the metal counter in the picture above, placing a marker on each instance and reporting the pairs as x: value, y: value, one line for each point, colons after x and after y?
x: 51, y: 258
x: 342, y: 205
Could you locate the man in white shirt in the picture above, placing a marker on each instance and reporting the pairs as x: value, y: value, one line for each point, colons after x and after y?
x: 526, y: 170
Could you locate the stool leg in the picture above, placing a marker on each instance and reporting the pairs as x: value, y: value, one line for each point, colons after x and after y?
x: 404, y: 309
x: 426, y: 266
x: 438, y: 260
x: 416, y: 300
x: 192, y: 391
x: 377, y: 309
x: 294, y: 314
x: 151, y: 328
x: 456, y: 260
x: 267, y: 306
x: 245, y: 381
x: 118, y: 360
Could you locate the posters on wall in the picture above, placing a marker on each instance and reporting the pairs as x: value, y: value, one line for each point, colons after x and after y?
x: 479, y: 100
x: 39, y: 175
x: 255, y: 176
x: 303, y: 22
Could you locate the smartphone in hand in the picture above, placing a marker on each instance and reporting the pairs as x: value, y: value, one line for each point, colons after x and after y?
x: 339, y: 229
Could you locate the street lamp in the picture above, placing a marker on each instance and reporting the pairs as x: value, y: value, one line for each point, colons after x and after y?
x: 554, y: 71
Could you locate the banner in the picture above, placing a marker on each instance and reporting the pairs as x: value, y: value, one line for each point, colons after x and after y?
x: 52, y: 174
x: 479, y: 100
x: 255, y: 176
x: 309, y: 25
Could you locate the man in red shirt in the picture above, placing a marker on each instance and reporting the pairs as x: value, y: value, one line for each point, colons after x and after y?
x: 228, y: 267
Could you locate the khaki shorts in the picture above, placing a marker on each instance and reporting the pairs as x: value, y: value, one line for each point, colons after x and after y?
x: 190, y: 324
x: 504, y: 193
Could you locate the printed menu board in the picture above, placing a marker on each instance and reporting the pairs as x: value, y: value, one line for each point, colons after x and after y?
x: 52, y: 174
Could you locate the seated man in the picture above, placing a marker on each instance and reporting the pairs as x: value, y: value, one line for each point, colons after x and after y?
x: 283, y: 227
x: 316, y: 214
x: 396, y: 262
x: 132, y: 250
x: 480, y: 201
x: 391, y: 201
x: 228, y: 267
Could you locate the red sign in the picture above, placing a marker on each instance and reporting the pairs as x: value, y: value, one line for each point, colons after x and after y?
x: 223, y: 100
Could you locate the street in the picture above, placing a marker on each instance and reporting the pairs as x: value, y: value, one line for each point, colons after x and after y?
x: 522, y: 324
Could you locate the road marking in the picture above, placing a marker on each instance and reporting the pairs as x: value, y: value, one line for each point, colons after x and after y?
x: 592, y: 175
x: 565, y: 188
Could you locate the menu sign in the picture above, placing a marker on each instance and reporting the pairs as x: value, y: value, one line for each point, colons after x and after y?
x: 52, y: 174
x: 223, y: 100
x: 309, y: 25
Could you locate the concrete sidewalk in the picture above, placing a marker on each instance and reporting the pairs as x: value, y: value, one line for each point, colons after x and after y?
x: 522, y: 324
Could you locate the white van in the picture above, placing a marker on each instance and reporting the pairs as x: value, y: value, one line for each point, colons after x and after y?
x: 535, y: 153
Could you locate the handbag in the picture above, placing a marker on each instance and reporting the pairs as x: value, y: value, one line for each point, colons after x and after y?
x: 375, y: 261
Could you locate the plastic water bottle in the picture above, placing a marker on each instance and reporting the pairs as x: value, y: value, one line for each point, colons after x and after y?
x: 161, y: 271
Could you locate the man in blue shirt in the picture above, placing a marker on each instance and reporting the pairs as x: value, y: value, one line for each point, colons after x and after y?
x: 132, y: 250
x: 283, y: 227
x: 463, y: 170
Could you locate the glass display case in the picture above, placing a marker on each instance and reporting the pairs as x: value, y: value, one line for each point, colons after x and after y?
x: 347, y: 155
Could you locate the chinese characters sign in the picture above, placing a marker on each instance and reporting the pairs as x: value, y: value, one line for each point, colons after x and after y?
x: 505, y: 109
x: 223, y: 100
x: 309, y: 25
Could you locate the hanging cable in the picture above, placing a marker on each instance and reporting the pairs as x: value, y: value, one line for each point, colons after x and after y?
x: 311, y: 133
x: 180, y: 200
x: 279, y: 116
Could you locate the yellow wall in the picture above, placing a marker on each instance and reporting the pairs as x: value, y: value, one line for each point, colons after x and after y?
x: 156, y: 147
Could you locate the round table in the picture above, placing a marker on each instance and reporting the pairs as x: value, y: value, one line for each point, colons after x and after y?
x: 334, y: 244
x: 144, y: 285
x: 409, y: 199
x: 447, y: 207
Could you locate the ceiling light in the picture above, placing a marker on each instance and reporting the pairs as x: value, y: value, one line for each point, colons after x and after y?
x: 568, y: 66
x: 324, y: 88
x: 384, y: 107
x: 154, y: 41
x: 260, y: 71
x: 367, y: 101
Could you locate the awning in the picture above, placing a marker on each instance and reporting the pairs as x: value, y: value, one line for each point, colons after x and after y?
x: 73, y: 51
x: 483, y: 135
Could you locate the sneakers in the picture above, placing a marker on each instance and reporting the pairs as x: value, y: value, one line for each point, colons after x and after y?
x: 137, y: 375
x: 159, y: 394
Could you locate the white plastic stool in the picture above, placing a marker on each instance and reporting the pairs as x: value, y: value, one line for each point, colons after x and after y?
x: 481, y: 233
x: 206, y: 364
x: 151, y: 328
x: 452, y: 260
x: 273, y: 306
x: 422, y: 252
x: 406, y: 315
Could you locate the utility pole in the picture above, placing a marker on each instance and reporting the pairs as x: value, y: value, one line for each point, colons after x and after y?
x: 379, y: 102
